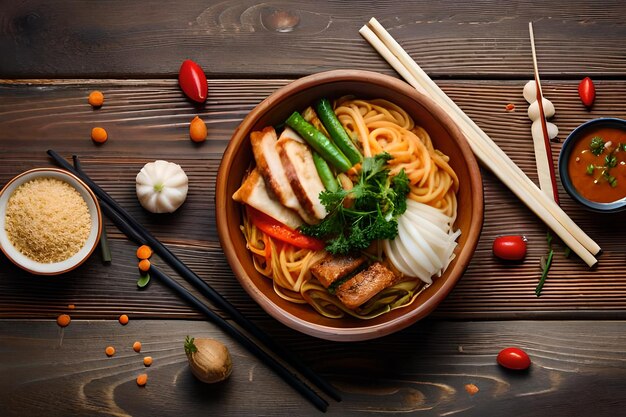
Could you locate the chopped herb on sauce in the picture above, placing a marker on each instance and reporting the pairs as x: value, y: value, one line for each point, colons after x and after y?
x: 597, y: 145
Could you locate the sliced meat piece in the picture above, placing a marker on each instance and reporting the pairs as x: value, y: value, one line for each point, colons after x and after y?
x: 332, y: 268
x: 300, y: 169
x: 254, y: 193
x: 364, y: 285
x: 289, y: 133
x: 271, y: 168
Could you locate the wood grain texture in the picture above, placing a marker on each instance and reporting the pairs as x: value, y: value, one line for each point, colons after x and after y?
x: 149, y: 120
x: 229, y: 38
x: 59, y: 372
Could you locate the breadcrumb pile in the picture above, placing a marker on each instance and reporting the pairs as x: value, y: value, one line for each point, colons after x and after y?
x: 47, y: 220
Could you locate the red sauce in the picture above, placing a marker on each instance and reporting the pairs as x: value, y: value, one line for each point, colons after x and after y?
x: 589, y: 173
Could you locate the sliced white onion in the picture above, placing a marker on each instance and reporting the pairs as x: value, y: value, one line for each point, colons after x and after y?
x: 413, y: 233
x: 425, y: 243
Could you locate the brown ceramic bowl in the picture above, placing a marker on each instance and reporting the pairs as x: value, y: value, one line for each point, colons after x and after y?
x: 296, y: 96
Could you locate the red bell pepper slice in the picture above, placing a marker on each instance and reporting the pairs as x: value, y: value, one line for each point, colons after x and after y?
x: 277, y: 230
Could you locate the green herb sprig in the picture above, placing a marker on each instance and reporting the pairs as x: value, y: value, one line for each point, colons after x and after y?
x: 378, y: 201
x: 546, y: 263
x: 190, y: 347
x: 597, y: 145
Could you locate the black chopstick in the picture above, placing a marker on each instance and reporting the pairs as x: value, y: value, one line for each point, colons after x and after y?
x: 225, y: 325
x: 203, y: 287
x: 104, y: 240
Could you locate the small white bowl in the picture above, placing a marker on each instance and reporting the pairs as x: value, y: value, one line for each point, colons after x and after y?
x: 78, y: 258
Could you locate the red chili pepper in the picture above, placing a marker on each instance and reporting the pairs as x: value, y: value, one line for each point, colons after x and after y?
x: 514, y: 358
x: 192, y: 81
x: 277, y: 230
x: 510, y: 248
x: 587, y: 91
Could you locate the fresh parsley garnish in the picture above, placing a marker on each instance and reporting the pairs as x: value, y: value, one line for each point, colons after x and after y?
x: 377, y: 199
x: 610, y: 161
x: 597, y: 145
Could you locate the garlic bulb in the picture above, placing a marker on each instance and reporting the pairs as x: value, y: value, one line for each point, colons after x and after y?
x: 161, y: 186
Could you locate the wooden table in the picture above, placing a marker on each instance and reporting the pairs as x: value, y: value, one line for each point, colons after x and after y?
x: 55, y: 53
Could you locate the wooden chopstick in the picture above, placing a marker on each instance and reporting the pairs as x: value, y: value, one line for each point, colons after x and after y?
x: 485, y: 148
x: 139, y: 233
x: 543, y: 150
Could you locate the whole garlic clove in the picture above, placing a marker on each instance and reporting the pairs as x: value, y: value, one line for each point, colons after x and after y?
x: 537, y: 131
x: 548, y: 109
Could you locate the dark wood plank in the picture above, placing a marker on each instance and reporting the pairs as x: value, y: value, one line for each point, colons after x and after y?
x: 578, y: 368
x: 460, y: 39
x: 148, y: 120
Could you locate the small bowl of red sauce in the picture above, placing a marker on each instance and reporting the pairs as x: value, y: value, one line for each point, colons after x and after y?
x: 592, y: 165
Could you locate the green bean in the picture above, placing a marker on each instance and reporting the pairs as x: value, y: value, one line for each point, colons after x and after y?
x: 339, y: 135
x: 319, y: 142
x: 325, y: 173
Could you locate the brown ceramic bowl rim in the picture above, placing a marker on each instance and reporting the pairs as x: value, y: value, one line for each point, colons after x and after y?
x: 362, y: 332
x: 41, y: 172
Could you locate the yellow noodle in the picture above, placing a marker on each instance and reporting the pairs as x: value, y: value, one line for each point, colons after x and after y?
x: 383, y: 126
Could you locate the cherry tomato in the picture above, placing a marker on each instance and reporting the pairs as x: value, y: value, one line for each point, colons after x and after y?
x: 510, y: 248
x: 192, y: 81
x: 514, y: 358
x: 587, y: 91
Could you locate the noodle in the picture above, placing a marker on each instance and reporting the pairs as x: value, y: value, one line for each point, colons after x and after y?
x: 381, y: 126
x: 376, y: 126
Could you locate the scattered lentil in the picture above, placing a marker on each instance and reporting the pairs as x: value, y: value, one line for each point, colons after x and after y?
x: 471, y: 389
x: 197, y: 130
x: 96, y: 98
x: 144, y: 252
x: 144, y: 265
x: 142, y: 380
x: 99, y: 135
x: 64, y: 320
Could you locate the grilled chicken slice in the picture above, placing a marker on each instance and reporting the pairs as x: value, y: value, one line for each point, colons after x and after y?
x: 289, y: 133
x: 300, y: 169
x: 254, y: 193
x: 364, y: 285
x: 332, y: 268
x: 271, y: 168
